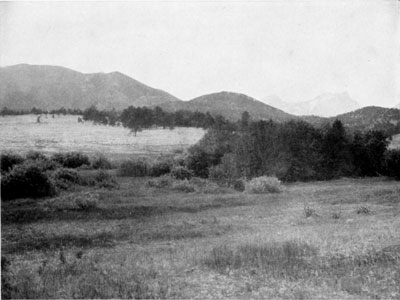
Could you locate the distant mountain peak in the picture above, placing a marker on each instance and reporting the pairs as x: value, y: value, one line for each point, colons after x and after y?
x: 324, y: 105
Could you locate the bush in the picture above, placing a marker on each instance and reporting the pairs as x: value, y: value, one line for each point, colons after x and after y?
x: 160, y: 168
x: 392, y: 162
x: 181, y: 173
x: 134, y: 168
x: 71, y: 160
x: 101, y: 162
x: 65, y: 178
x: 226, y: 171
x: 8, y: 160
x: 239, y: 185
x: 263, y: 184
x: 183, y: 186
x: 26, y: 181
x: 86, y: 201
x: 35, y: 155
x: 161, y: 182
x: 43, y: 164
x: 105, y: 180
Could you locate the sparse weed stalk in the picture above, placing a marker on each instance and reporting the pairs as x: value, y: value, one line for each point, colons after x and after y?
x: 309, y: 211
x: 364, y: 210
x: 337, y: 214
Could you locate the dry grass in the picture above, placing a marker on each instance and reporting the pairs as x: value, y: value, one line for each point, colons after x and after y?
x: 146, y: 242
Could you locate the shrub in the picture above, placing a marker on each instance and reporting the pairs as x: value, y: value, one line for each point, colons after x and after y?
x: 181, y: 173
x: 263, y: 184
x: 71, y: 160
x: 160, y: 168
x: 239, y: 185
x: 101, y: 162
x: 86, y: 201
x: 8, y: 160
x: 26, y: 181
x: 183, y: 186
x: 105, y: 180
x: 43, y: 164
x: 35, y: 155
x: 161, y: 182
x: 134, y: 168
x: 392, y: 162
x: 226, y: 171
x: 65, y: 178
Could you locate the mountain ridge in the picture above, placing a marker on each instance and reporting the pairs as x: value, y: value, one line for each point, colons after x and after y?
x: 230, y: 105
x: 25, y: 86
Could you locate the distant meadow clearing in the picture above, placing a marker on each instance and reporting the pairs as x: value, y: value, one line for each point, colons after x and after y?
x: 64, y: 133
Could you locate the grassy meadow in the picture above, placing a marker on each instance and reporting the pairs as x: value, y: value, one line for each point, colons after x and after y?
x: 336, y: 239
x: 111, y: 231
x: 64, y: 133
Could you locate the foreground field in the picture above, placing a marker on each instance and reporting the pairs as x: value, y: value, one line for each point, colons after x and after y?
x: 64, y: 133
x: 337, y: 239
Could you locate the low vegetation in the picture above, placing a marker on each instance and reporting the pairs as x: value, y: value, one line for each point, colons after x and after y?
x: 147, y: 239
x: 264, y: 184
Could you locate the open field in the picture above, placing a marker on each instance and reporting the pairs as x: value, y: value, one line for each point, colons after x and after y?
x: 64, y: 133
x: 337, y: 239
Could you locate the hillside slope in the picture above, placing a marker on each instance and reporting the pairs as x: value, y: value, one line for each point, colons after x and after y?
x: 50, y: 87
x: 231, y: 106
x: 363, y: 119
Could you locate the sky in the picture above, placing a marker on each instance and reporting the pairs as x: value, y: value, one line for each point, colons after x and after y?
x: 294, y: 49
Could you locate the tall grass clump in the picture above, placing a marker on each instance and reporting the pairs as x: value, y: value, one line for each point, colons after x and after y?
x: 71, y: 160
x: 25, y: 181
x: 9, y: 159
x: 82, y: 277
x: 288, y: 259
x: 79, y: 201
x: 263, y: 184
x: 133, y: 168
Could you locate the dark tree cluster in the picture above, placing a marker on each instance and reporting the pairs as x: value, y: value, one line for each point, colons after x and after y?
x: 37, y: 111
x: 291, y: 151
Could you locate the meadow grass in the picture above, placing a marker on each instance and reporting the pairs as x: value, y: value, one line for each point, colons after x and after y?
x: 142, y: 241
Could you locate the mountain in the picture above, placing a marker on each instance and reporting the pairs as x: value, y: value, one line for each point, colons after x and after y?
x: 363, y: 119
x: 231, y: 106
x: 373, y: 118
x: 326, y: 105
x: 50, y: 87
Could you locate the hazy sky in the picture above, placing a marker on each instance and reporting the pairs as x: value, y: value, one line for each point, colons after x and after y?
x: 293, y: 49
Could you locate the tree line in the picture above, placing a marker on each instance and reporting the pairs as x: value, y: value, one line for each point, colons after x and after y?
x: 292, y: 151
x: 38, y: 111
